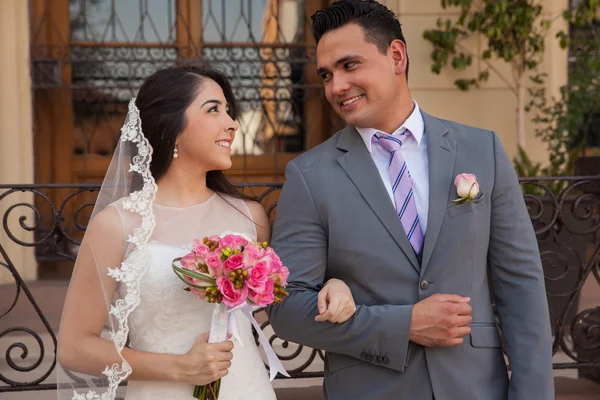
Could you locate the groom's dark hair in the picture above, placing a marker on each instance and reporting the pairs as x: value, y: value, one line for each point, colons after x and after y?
x: 379, y: 23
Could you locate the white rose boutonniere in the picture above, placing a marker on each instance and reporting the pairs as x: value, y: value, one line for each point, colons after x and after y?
x: 466, y: 187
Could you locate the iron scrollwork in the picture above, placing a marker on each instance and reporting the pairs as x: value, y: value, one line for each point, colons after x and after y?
x: 566, y: 221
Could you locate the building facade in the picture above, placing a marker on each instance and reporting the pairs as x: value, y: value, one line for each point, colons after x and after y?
x: 69, y: 67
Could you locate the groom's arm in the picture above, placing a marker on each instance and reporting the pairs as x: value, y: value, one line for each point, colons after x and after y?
x: 518, y: 285
x: 300, y: 239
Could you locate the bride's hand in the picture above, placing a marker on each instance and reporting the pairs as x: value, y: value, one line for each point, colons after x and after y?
x: 335, y: 303
x: 205, y: 362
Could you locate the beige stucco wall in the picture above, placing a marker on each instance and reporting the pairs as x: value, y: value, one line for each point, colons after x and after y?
x: 16, y: 138
x: 491, y: 106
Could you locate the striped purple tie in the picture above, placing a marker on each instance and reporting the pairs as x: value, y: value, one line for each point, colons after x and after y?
x: 403, y: 190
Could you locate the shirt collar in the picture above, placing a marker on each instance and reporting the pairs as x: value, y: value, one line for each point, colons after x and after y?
x: 414, y: 123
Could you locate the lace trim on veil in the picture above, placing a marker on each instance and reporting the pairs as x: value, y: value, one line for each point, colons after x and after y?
x: 131, y: 270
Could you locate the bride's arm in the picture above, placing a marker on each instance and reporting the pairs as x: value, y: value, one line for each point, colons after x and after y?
x: 81, y: 349
x: 261, y: 221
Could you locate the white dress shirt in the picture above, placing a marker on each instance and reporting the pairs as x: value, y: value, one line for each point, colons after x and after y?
x: 414, y: 151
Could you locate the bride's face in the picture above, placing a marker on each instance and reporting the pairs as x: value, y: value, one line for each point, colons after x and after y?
x: 209, y: 131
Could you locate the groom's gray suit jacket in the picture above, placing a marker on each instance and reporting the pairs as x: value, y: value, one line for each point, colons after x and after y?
x: 335, y: 219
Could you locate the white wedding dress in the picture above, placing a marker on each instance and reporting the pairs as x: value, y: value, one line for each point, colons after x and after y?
x: 169, y: 319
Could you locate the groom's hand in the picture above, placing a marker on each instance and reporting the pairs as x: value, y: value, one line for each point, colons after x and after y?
x: 441, y: 320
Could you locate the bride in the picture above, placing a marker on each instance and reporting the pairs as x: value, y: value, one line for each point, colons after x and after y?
x: 127, y: 315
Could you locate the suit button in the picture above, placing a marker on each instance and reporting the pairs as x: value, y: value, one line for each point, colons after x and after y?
x: 424, y: 285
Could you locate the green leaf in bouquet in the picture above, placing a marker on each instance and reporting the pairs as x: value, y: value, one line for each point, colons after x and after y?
x: 193, y: 274
x: 190, y: 284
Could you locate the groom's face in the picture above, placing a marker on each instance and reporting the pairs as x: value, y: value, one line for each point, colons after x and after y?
x: 361, y: 83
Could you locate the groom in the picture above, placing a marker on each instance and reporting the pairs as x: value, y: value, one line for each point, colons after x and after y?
x: 374, y: 206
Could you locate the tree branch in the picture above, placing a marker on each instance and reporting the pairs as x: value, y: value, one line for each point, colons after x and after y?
x: 489, y: 64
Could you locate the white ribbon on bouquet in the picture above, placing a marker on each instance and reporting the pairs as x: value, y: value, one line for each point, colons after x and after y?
x: 224, y: 322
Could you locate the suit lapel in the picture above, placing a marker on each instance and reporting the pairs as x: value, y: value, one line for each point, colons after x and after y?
x: 441, y: 153
x: 361, y: 169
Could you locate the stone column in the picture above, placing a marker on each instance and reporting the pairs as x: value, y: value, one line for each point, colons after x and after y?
x: 16, y: 134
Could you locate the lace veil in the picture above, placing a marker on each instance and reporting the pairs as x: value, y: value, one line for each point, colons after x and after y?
x: 128, y: 183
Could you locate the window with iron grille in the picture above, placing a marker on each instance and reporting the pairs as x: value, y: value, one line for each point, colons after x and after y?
x: 90, y: 56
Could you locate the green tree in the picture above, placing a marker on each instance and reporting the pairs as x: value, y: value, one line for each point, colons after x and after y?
x: 514, y: 32
x: 565, y: 124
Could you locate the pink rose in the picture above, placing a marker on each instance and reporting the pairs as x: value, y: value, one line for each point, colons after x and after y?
x: 279, y: 273
x: 234, y: 262
x: 234, y: 242
x: 214, y: 238
x: 466, y: 186
x: 198, y: 292
x: 200, y: 249
x: 252, y: 252
x: 213, y: 261
x: 265, y: 297
x: 258, y: 277
x: 231, y: 296
x: 189, y: 261
x: 269, y: 258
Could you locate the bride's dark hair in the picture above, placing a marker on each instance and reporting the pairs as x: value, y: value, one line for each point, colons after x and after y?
x: 162, y: 101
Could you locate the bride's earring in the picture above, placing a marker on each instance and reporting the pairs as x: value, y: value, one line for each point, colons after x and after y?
x: 175, y: 154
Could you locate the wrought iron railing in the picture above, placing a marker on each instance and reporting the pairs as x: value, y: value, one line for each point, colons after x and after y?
x: 565, y: 213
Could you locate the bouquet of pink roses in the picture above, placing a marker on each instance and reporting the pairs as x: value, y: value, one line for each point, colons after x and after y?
x: 234, y: 273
